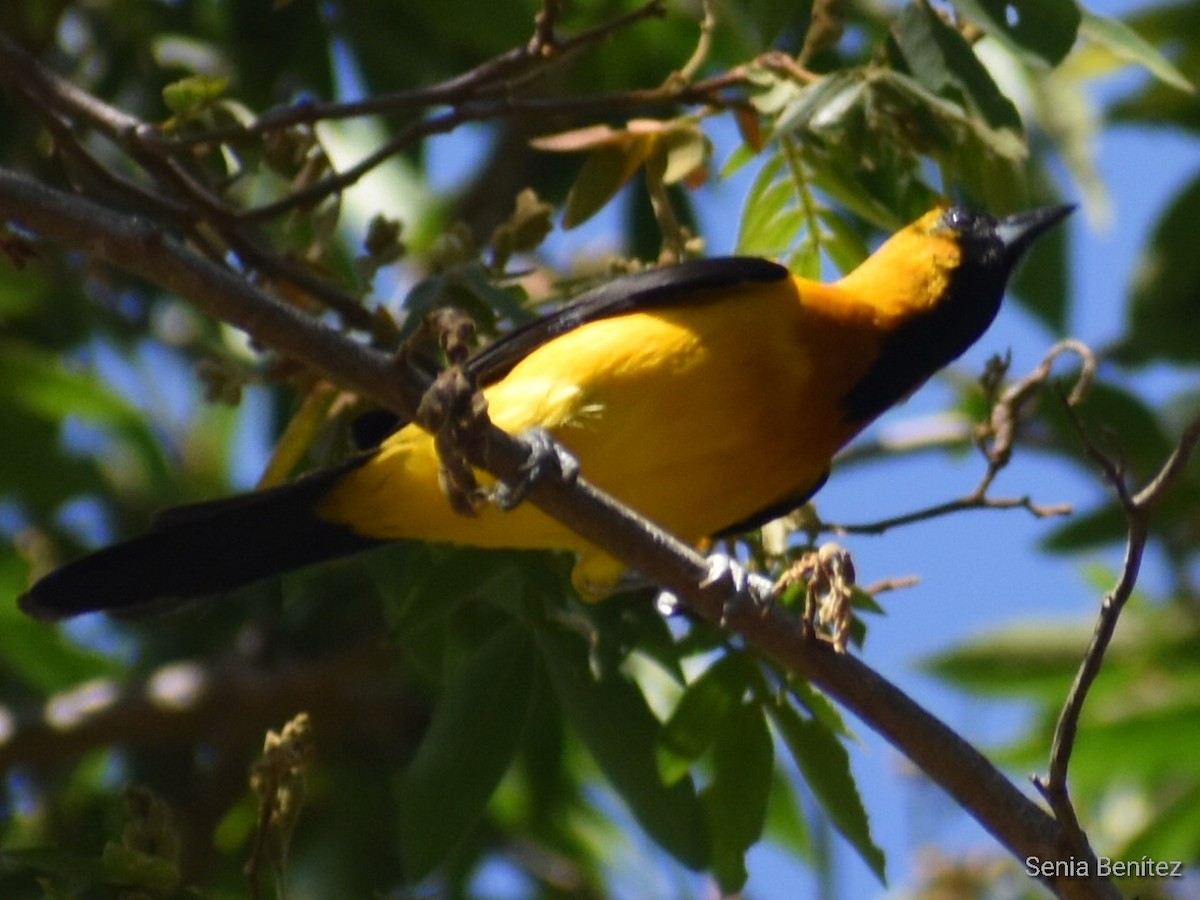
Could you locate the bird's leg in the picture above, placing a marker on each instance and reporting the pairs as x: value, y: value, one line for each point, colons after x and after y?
x: 545, y: 457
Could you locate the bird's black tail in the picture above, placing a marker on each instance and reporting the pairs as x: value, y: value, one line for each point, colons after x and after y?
x: 201, y: 549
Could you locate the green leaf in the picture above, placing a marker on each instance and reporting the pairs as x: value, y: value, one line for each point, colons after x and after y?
x: 621, y: 733
x: 118, y: 866
x: 1171, y: 831
x: 37, y: 392
x: 940, y: 58
x: 1098, y: 527
x: 1042, y: 284
x: 1164, y: 311
x: 604, y: 173
x: 844, y: 245
x: 1158, y: 103
x: 785, y: 824
x: 193, y: 93
x: 1141, y: 441
x: 825, y: 765
x: 699, y: 716
x: 736, y: 798
x: 771, y: 219
x: 41, y: 656
x: 1035, y: 659
x: 1044, y: 30
x: 818, y: 105
x: 1121, y: 40
x: 687, y: 151
x: 476, y: 729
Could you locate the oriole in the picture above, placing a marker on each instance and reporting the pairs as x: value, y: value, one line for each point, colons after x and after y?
x: 710, y: 396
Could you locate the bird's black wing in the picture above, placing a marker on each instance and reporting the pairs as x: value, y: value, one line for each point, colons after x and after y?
x: 652, y: 289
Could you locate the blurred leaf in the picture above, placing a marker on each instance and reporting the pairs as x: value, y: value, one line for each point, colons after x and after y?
x: 1043, y: 29
x: 940, y: 58
x: 844, y: 245
x: 736, y: 798
x: 1122, y: 421
x: 189, y: 95
x: 531, y: 223
x: 37, y: 392
x: 757, y: 24
x: 425, y: 587
x: 471, y: 741
x: 617, y: 727
x: 118, y: 866
x: 614, y: 156
x: 700, y: 716
x: 1156, y: 103
x: 786, y: 825
x: 771, y: 219
x: 1106, y: 524
x: 43, y: 657
x: 825, y: 765
x: 1164, y: 310
x: 1171, y: 831
x: 1126, y: 44
x: 687, y: 151
x: 1042, y: 282
x: 1027, y: 659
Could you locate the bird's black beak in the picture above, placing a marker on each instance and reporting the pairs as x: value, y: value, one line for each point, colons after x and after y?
x: 1018, y: 231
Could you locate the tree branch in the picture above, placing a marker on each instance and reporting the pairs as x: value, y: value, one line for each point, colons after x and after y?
x: 1136, y: 507
x: 137, y: 247
x: 995, y: 440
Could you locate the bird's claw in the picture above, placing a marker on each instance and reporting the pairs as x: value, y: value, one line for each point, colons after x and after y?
x: 546, y: 456
x: 741, y: 587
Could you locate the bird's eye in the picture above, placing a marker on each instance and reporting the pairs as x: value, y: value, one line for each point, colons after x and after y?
x: 957, y: 218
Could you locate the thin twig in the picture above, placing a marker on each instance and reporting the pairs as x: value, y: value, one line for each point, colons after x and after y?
x: 1136, y: 507
x: 492, y: 75
x: 995, y: 440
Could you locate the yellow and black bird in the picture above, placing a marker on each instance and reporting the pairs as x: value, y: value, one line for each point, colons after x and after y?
x: 710, y: 396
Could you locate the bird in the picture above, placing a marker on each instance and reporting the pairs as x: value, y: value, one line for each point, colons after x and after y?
x: 710, y: 396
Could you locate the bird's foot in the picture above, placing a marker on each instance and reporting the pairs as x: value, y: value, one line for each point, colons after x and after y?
x: 545, y: 457
x: 742, y: 587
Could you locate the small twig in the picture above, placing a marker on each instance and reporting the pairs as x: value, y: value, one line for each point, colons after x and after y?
x: 699, y: 55
x: 1136, y: 507
x: 542, y: 43
x: 995, y: 440
x: 895, y: 583
x: 492, y: 75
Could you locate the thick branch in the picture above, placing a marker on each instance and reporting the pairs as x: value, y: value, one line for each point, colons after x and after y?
x: 135, y: 246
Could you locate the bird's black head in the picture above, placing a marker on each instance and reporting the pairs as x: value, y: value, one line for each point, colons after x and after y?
x: 987, y: 250
x: 997, y: 245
